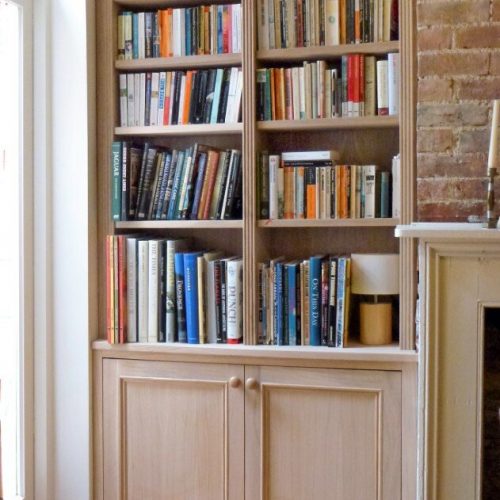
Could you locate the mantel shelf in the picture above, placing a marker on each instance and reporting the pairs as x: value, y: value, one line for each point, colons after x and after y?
x: 190, y: 62
x: 180, y: 224
x: 181, y: 130
x: 389, y: 222
x: 325, y: 52
x: 363, y: 122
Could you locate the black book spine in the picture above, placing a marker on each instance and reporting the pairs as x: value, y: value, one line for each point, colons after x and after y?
x: 332, y: 302
x: 232, y: 185
x: 170, y: 183
x: 324, y: 302
x: 209, y: 99
x: 134, y: 168
x: 224, y: 179
x: 162, y: 323
x: 198, y: 187
x: 125, y: 180
x: 221, y: 116
x: 143, y: 202
x: 201, y: 97
x: 148, y: 32
x: 218, y: 301
x: 140, y: 187
x: 264, y: 186
x: 177, y: 92
x: 163, y: 184
x: 160, y: 172
x: 180, y: 308
x: 223, y: 300
x: 195, y: 87
x: 156, y: 35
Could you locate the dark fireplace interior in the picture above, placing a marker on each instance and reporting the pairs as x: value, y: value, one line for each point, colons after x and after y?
x: 491, y: 406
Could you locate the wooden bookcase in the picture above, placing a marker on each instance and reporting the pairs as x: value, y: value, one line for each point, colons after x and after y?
x: 359, y: 140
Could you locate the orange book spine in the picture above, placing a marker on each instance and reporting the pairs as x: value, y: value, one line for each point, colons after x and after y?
x: 357, y: 23
x: 170, y: 52
x: 208, y: 185
x: 289, y: 194
x: 187, y: 97
x: 311, y: 193
x: 342, y: 21
x: 122, y: 288
x: 164, y: 34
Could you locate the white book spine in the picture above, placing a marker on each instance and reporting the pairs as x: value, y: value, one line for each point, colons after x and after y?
x: 123, y: 99
x: 393, y: 83
x: 142, y: 36
x: 153, y: 289
x: 369, y: 173
x: 233, y: 81
x: 142, y: 290
x: 270, y: 32
x: 137, y: 100
x: 161, y: 97
x: 142, y: 97
x: 332, y: 26
x: 382, y: 88
x: 155, y: 87
x: 177, y: 33
x: 302, y: 94
x: 295, y: 93
x: 274, y: 162
x: 237, y: 98
x: 130, y: 99
x: 131, y: 290
x: 234, y: 300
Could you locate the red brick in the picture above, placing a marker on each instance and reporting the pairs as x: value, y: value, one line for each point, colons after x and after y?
x: 474, y: 141
x: 453, y: 12
x: 434, y: 140
x: 449, y: 165
x: 445, y: 115
x: 455, y: 211
x: 470, y: 37
x: 447, y: 64
x: 495, y: 64
x: 451, y: 189
x: 435, y: 90
x: 434, y: 39
x: 478, y: 88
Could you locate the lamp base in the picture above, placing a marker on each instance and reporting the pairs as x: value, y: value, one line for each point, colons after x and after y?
x: 375, y: 323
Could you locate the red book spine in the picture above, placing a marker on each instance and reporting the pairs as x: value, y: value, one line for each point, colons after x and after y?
x: 361, y: 85
x: 355, y: 84
x: 350, y: 86
x: 109, y: 288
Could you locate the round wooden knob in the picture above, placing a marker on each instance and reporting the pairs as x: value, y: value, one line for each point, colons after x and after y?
x: 234, y: 382
x: 251, y: 384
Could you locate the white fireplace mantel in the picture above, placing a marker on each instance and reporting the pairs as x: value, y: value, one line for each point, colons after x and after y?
x: 459, y: 278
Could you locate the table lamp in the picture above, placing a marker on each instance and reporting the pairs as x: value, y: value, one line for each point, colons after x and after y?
x: 376, y: 278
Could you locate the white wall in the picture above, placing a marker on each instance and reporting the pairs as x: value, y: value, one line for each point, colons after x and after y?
x: 64, y: 141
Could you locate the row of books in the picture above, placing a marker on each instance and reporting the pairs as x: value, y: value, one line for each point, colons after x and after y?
x: 360, y: 86
x: 180, y: 97
x: 153, y: 183
x: 305, y: 23
x: 158, y: 291
x: 308, y: 185
x: 304, y: 302
x: 204, y: 29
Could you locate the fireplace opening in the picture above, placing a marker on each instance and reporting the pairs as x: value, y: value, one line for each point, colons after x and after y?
x: 491, y: 406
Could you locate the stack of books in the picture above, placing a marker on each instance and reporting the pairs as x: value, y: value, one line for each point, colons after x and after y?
x: 154, y: 183
x: 180, y: 97
x: 311, y: 185
x: 159, y: 291
x: 305, y: 302
x: 360, y: 85
x: 284, y: 24
x: 204, y: 29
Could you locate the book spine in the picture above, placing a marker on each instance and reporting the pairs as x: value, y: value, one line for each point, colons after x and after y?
x: 180, y: 297
x: 200, y: 270
x: 162, y: 294
x: 234, y: 301
x: 170, y: 279
x: 210, y: 301
x: 292, y: 303
x: 142, y: 290
x: 109, y: 289
x: 153, y: 288
x: 218, y: 301
x: 122, y: 288
x: 393, y: 83
x: 382, y: 88
x: 191, y: 297
x: 132, y: 290
x: 315, y: 300
x: 116, y: 188
x: 123, y: 99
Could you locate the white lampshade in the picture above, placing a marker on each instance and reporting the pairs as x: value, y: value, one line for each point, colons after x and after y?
x: 375, y: 274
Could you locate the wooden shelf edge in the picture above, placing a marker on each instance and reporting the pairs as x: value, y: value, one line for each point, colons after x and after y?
x: 389, y: 222
x: 180, y: 224
x: 390, y: 353
x: 180, y: 130
x: 184, y: 62
x: 322, y: 51
x: 328, y: 123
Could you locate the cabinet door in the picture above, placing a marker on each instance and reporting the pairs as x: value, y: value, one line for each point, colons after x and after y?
x: 172, y: 431
x: 318, y: 434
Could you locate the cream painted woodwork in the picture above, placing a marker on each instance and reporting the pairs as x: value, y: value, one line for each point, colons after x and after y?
x: 460, y: 269
x: 315, y: 434
x: 172, y: 430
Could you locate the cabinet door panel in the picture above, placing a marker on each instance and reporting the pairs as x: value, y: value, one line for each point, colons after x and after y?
x: 172, y: 431
x: 318, y: 434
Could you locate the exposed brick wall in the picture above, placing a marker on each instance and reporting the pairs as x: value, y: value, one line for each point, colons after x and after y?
x: 458, y: 43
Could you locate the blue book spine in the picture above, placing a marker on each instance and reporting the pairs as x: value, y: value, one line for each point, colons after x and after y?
x: 199, y: 186
x: 292, y: 306
x: 215, y: 102
x: 341, y: 277
x: 135, y: 35
x: 188, y: 31
x: 278, y: 304
x: 179, y: 297
x: 175, y: 186
x: 191, y: 296
x: 220, y: 34
x: 315, y: 300
x: 116, y: 185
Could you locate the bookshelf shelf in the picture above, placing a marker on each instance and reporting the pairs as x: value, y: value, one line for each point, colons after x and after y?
x: 364, y: 122
x: 170, y: 63
x: 180, y: 224
x: 390, y: 222
x: 181, y: 130
x: 275, y: 56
